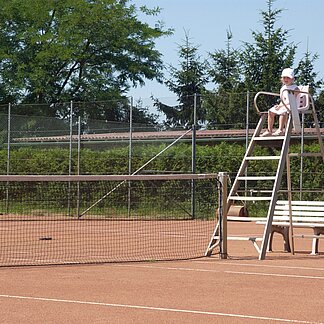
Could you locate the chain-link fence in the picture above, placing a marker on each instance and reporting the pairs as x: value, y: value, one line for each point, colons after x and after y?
x: 75, y: 127
x: 128, y: 136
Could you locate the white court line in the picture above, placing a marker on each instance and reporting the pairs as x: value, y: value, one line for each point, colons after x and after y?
x: 273, y: 275
x: 223, y: 271
x: 261, y: 265
x: 174, y: 310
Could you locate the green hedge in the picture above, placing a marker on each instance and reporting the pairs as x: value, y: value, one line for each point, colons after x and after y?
x: 225, y: 157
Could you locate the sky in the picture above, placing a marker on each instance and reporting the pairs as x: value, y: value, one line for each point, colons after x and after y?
x: 207, y: 22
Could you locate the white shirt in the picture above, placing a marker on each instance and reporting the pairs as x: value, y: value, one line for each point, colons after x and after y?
x: 284, y: 98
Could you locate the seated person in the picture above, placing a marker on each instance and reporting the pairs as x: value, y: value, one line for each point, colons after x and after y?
x: 287, y: 79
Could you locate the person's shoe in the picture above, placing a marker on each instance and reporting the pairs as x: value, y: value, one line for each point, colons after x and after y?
x: 279, y: 132
x: 266, y: 133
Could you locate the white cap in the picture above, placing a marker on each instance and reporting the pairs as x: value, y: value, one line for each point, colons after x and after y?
x: 288, y: 73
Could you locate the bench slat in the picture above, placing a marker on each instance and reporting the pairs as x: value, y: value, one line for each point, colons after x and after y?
x: 299, y: 213
x: 303, y: 203
x: 299, y: 219
x: 314, y: 208
x: 305, y: 225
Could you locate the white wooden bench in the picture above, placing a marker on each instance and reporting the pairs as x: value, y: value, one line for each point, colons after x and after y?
x: 305, y: 214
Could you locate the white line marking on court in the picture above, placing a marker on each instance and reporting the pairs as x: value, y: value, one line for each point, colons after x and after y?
x: 175, y: 310
x: 224, y: 271
x: 262, y: 265
x: 273, y: 275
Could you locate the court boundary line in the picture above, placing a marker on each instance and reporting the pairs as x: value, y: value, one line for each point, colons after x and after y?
x: 152, y: 308
x: 262, y: 265
x: 221, y: 271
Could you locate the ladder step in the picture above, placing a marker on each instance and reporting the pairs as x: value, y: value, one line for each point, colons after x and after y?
x: 257, y: 178
x: 249, y: 198
x: 273, y: 157
x: 269, y: 138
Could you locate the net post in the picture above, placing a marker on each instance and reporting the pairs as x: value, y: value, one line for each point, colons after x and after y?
x: 223, y: 178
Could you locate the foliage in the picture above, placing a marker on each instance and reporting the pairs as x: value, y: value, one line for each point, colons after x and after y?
x: 225, y: 157
x: 306, y: 74
x: 187, y: 83
x: 75, y: 50
x: 224, y: 66
x: 264, y: 59
x: 227, y: 103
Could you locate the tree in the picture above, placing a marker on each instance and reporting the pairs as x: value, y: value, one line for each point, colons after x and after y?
x: 84, y: 50
x: 186, y: 81
x: 305, y: 72
x: 225, y: 104
x: 224, y: 69
x: 264, y: 59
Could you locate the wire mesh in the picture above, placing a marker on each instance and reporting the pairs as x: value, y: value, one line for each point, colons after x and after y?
x: 147, y: 217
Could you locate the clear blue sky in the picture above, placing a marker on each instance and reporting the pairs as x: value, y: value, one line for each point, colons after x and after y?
x: 208, y: 20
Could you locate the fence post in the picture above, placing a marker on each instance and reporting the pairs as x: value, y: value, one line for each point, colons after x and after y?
x: 78, y: 166
x: 246, y: 140
x: 193, y: 158
x: 70, y: 156
x: 8, y: 155
x: 130, y: 153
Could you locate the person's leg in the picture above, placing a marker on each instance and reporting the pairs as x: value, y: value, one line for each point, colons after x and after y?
x: 271, y: 118
x: 282, y: 125
x: 282, y: 122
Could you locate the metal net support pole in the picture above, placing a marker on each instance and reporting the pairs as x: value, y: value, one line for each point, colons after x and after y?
x: 223, y: 179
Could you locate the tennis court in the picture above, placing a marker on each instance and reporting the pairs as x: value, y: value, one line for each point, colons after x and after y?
x: 282, y: 288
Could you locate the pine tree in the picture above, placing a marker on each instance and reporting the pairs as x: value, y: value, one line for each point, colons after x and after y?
x: 264, y: 59
x: 305, y: 73
x: 186, y: 81
x: 225, y: 105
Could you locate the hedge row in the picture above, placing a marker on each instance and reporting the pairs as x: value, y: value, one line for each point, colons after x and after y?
x: 225, y: 157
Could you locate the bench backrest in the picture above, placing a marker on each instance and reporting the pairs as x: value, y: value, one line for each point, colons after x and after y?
x: 310, y: 211
x: 303, y: 99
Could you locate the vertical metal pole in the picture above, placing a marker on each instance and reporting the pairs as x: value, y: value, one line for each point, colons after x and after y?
x: 78, y: 166
x: 71, y: 138
x: 130, y: 152
x: 301, y: 158
x: 70, y: 157
x: 8, y: 155
x: 223, y: 179
x: 291, y: 231
x: 193, y: 158
x: 246, y: 141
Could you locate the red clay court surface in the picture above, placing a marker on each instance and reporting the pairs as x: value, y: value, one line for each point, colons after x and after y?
x: 283, y: 289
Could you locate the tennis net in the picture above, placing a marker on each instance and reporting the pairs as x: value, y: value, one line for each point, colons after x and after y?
x: 115, y: 218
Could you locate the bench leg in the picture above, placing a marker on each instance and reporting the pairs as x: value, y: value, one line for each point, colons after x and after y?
x: 284, y: 231
x: 270, y: 241
x: 317, y: 231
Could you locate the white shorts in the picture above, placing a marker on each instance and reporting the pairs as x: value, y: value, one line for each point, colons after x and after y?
x: 281, y: 111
